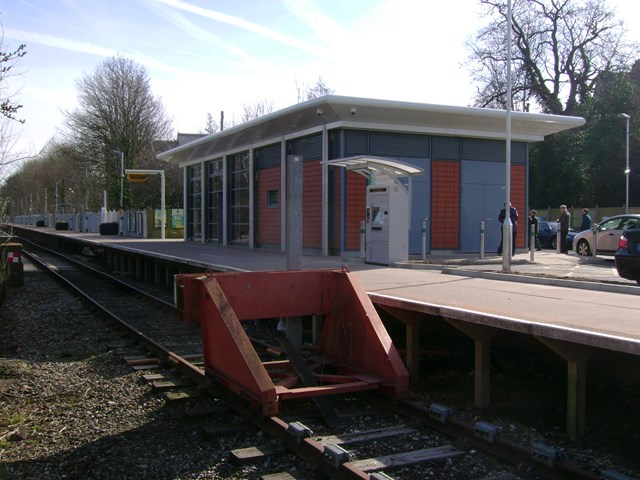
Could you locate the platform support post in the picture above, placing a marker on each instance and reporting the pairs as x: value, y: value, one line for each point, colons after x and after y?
x: 157, y: 272
x: 481, y: 336
x: 131, y: 265
x: 317, y: 322
x: 138, y: 274
x: 576, y: 357
x: 293, y: 232
x: 413, y: 348
x: 413, y: 323
x: 148, y: 269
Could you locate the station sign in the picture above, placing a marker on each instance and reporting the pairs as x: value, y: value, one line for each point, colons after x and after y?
x: 137, y: 177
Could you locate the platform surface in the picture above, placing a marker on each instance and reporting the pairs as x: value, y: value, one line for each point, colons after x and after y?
x: 544, y: 300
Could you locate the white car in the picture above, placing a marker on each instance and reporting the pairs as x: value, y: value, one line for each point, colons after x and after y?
x: 608, y: 233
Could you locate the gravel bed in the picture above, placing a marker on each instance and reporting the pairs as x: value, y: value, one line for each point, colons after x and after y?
x: 70, y: 408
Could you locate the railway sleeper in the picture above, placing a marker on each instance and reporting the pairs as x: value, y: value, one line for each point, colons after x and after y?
x: 243, y: 456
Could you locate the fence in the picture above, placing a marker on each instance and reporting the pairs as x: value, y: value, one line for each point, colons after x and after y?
x: 135, y: 223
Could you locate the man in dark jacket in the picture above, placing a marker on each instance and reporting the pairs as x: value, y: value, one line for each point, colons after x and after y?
x: 564, y: 220
x: 513, y: 215
x: 586, y: 220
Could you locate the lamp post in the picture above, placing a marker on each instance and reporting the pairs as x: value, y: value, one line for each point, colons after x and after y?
x: 121, y: 155
x: 627, y: 171
x: 507, y: 227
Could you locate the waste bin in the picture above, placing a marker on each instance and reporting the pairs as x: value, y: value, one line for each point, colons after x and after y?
x: 110, y: 228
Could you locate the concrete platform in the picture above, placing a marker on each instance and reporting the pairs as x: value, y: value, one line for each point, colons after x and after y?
x: 571, y: 304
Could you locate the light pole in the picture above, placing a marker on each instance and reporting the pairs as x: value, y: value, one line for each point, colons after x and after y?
x: 627, y: 171
x: 119, y: 153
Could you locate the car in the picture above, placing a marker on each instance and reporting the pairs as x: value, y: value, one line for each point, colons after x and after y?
x: 548, y: 235
x: 607, y: 235
x: 628, y: 255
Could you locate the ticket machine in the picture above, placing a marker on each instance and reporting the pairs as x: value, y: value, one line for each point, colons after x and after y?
x: 387, y: 223
x: 388, y: 206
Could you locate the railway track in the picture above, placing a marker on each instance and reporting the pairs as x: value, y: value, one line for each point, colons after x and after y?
x: 408, y: 439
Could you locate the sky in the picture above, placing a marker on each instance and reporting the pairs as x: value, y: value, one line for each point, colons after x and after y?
x: 207, y: 56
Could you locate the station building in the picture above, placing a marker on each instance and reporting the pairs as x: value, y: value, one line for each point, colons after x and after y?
x: 235, y: 179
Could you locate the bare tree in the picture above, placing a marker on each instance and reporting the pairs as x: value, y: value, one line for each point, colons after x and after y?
x: 306, y: 92
x: 8, y: 61
x: 256, y: 110
x: 117, y: 112
x: 211, y: 126
x: 559, y: 49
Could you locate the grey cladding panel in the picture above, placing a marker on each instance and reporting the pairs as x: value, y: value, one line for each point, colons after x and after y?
x: 492, y: 150
x: 356, y: 143
x: 388, y: 144
x: 309, y: 147
x: 268, y: 156
x: 446, y: 148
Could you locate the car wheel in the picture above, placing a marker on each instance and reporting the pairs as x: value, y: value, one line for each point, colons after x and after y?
x: 583, y: 248
x: 554, y: 243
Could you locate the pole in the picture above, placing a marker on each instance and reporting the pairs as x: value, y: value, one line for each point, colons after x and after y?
x: 627, y: 171
x: 507, y: 231
x: 121, y: 180
x: 532, y: 241
x: 424, y: 239
x: 482, y: 240
x: 163, y: 220
x: 362, y: 239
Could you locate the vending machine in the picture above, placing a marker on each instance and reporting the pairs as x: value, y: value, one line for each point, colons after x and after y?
x: 387, y: 223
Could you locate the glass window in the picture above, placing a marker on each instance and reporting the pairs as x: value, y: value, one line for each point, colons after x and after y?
x: 611, y: 224
x: 239, y: 197
x: 273, y: 198
x: 194, y: 213
x: 214, y: 201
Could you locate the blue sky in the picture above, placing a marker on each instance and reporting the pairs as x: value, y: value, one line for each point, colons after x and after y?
x: 204, y: 56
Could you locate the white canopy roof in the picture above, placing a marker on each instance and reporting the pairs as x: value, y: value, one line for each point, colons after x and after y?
x: 333, y: 111
x: 366, y: 165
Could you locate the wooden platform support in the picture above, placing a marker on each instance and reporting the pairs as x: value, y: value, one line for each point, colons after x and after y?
x: 576, y: 357
x: 482, y: 336
x: 413, y: 323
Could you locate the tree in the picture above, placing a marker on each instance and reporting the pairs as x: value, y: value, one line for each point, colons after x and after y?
x: 256, y: 110
x: 8, y: 61
x: 211, y: 126
x: 306, y: 92
x: 560, y: 47
x: 117, y: 112
x: 604, y: 148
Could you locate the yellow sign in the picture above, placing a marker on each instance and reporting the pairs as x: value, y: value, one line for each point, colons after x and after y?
x: 137, y: 177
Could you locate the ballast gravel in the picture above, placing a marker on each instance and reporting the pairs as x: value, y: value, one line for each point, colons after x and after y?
x: 71, y: 408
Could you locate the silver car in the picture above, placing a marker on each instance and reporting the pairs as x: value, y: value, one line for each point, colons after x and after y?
x: 608, y: 233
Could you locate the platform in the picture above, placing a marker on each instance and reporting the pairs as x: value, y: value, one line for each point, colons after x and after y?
x: 570, y: 321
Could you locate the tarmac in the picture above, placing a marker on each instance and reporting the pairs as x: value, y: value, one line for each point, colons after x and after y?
x: 546, y: 267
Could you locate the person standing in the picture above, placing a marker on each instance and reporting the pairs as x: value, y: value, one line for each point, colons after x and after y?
x: 533, y: 220
x: 513, y: 215
x: 564, y: 220
x: 586, y: 220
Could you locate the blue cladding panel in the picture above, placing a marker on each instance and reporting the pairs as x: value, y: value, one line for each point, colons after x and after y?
x: 268, y: 156
x: 310, y: 148
x: 446, y: 148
